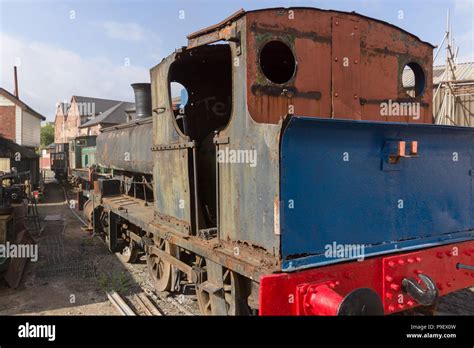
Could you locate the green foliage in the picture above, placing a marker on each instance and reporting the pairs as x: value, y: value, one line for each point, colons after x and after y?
x: 47, y: 135
x: 117, y: 281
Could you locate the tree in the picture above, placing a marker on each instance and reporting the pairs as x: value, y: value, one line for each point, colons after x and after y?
x: 47, y: 134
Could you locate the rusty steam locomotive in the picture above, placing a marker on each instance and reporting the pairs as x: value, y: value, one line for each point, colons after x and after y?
x: 278, y: 185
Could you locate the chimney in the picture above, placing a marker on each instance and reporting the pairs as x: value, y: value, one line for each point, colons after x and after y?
x: 142, y: 99
x: 17, y: 93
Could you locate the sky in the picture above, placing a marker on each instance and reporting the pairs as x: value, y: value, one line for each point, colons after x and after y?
x: 98, y: 48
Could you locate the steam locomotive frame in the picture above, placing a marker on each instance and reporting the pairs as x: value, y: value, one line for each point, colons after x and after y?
x: 301, y: 87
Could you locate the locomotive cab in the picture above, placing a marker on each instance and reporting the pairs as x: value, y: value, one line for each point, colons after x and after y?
x: 249, y: 73
x: 297, y: 135
x: 205, y: 73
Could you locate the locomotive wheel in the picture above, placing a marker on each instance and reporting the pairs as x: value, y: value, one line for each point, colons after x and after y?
x: 231, y: 300
x: 129, y: 253
x: 160, y: 270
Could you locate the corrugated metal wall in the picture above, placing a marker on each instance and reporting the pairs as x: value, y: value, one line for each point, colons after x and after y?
x: 463, y: 112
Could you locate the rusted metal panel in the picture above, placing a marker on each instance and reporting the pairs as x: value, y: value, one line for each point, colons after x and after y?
x: 138, y: 214
x: 172, y: 189
x: 247, y: 192
x: 233, y: 17
x: 127, y: 148
x: 180, y: 226
x: 170, y: 173
x: 311, y: 50
x: 384, y: 51
x: 247, y: 242
x: 345, y: 68
x: 226, y: 33
x: 249, y: 261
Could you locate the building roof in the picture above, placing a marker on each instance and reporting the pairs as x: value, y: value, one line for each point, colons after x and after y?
x: 8, y: 149
x: 21, y: 104
x: 463, y: 72
x: 97, y: 105
x: 114, y: 115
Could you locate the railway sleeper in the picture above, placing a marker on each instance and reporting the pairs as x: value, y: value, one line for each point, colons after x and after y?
x: 219, y: 289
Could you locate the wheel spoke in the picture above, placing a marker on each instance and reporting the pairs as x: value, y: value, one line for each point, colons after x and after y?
x: 159, y: 269
x: 230, y: 292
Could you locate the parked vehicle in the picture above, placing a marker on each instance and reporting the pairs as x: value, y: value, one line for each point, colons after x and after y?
x: 81, y: 159
x: 60, y: 161
x: 283, y: 185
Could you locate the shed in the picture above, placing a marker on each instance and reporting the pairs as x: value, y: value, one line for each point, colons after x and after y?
x: 20, y: 158
x: 20, y: 122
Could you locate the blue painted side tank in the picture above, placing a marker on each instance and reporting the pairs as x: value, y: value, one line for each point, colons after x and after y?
x: 344, y: 182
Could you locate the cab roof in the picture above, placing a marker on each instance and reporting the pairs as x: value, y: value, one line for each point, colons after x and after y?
x: 240, y: 13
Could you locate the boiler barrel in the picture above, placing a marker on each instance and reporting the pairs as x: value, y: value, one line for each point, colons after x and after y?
x: 127, y: 148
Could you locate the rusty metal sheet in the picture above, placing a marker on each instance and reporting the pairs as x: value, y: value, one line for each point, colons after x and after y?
x: 247, y: 192
x: 131, y: 208
x: 345, y: 68
x: 127, y: 148
x: 217, y: 26
x: 225, y: 33
x: 250, y: 262
x: 172, y: 191
x: 384, y: 50
x: 384, y: 55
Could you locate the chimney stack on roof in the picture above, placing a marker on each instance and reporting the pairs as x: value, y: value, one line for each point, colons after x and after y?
x: 17, y: 93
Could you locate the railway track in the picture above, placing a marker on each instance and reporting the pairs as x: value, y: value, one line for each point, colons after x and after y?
x: 142, y: 305
x: 147, y: 302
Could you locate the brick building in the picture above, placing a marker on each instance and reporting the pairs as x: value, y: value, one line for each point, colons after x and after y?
x: 18, y: 121
x: 86, y: 116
